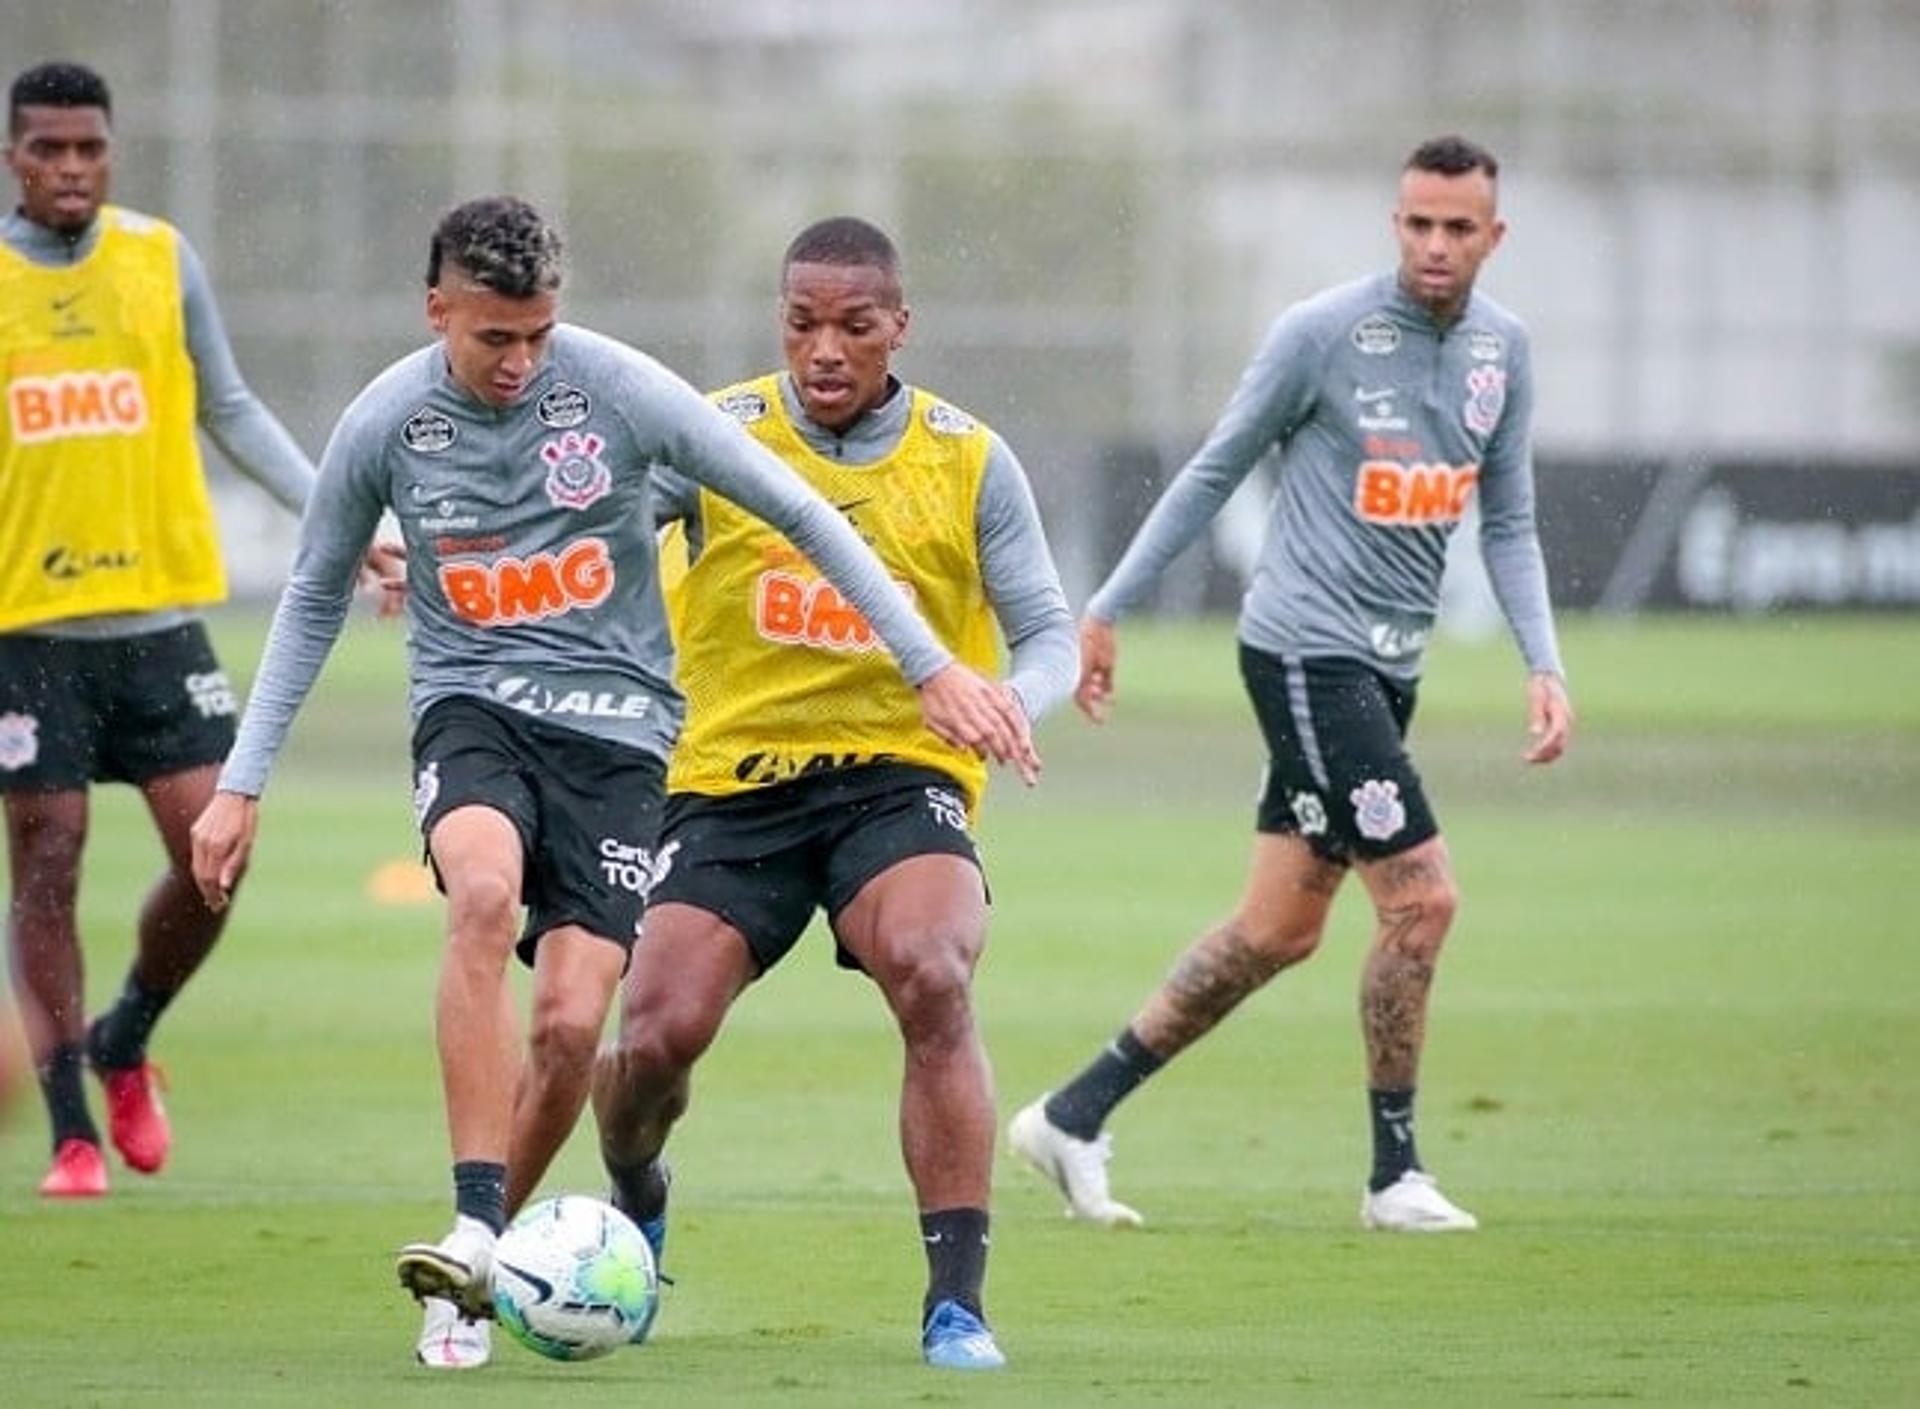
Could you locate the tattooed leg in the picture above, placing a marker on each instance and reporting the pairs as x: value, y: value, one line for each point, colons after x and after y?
x: 1278, y: 924
x: 1414, y: 900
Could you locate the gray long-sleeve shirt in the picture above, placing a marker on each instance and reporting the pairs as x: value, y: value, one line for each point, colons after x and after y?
x: 532, y: 577
x: 1016, y: 566
x: 247, y: 433
x: 1387, y: 423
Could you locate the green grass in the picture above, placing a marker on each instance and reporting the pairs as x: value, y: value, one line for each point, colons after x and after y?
x: 1674, y: 1066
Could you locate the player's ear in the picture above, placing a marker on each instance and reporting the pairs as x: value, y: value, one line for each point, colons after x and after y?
x: 900, y: 317
x: 436, y: 309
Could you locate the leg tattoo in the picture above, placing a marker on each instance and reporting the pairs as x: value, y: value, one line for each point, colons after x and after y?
x: 1399, y: 971
x: 1207, y: 983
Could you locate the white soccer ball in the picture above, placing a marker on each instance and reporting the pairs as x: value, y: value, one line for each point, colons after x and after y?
x: 573, y: 1279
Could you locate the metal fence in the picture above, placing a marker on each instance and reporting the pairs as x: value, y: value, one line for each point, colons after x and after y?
x: 1102, y: 202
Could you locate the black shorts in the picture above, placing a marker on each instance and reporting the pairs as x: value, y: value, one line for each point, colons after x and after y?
x: 765, y: 860
x: 588, y: 811
x: 1338, y: 772
x: 124, y: 709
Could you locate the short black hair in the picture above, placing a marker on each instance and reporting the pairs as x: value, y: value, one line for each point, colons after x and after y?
x: 846, y: 240
x: 1453, y: 156
x: 502, y: 244
x: 56, y: 85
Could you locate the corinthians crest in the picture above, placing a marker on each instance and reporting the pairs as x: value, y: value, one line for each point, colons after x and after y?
x: 19, y: 741
x: 576, y: 475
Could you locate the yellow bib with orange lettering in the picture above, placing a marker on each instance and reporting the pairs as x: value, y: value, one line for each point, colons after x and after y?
x: 783, y: 678
x: 103, y: 506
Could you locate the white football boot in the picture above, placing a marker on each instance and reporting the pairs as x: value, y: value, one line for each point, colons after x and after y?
x: 459, y: 1268
x: 450, y: 1341
x: 1078, y: 1167
x: 1413, y: 1203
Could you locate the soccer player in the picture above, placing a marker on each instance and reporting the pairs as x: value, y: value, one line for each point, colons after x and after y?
x: 1393, y: 401
x: 521, y: 457
x: 112, y: 350
x: 804, y: 779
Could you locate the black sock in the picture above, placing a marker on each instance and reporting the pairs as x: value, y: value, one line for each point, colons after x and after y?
x: 640, y: 1191
x: 1393, y: 1152
x: 956, y: 1242
x: 1081, y: 1106
x: 480, y: 1191
x: 118, y: 1039
x: 66, y: 1095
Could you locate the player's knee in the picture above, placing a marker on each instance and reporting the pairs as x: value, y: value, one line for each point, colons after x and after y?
x: 483, y: 908
x: 658, y: 1040
x: 1420, y: 917
x: 48, y: 859
x: 562, y: 1038
x: 1279, y: 943
x: 929, y: 986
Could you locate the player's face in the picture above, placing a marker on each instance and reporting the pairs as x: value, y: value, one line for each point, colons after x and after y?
x: 62, y: 158
x: 494, y: 343
x: 1446, y: 227
x: 841, y: 324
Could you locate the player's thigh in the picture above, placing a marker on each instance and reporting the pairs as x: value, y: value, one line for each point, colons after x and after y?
x: 928, y: 909
x: 174, y: 801
x: 685, y: 970
x: 46, y: 833
x: 575, y: 973
x: 478, y: 854
x: 1289, y: 891
x: 747, y: 862
x: 1416, y: 881
x: 475, y: 807
x: 905, y: 881
x: 596, y: 853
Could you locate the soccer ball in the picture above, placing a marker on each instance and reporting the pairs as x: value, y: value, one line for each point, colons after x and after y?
x: 573, y: 1279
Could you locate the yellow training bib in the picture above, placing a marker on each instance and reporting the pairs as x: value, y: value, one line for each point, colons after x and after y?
x: 783, y: 677
x: 103, y: 506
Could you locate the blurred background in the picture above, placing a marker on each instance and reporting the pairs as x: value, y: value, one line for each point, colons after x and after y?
x: 1103, y: 203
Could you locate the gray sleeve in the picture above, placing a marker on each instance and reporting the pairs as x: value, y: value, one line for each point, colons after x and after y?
x: 709, y: 446
x: 246, y: 432
x: 1017, y: 569
x: 339, y: 523
x: 674, y: 496
x: 1509, y: 540
x: 1275, y: 394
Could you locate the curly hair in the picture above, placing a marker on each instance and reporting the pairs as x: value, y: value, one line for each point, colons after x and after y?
x: 500, y: 243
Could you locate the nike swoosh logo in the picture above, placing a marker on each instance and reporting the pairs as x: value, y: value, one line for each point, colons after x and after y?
x: 933, y: 1239
x: 853, y: 504
x: 61, y: 305
x: 1361, y: 393
x: 540, y: 1284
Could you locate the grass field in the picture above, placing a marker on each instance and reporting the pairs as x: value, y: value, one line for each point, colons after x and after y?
x: 1674, y: 1068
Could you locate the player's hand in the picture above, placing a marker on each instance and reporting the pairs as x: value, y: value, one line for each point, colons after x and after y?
x: 1549, y: 718
x: 1098, y: 652
x: 971, y: 712
x: 222, y: 841
x: 384, y: 570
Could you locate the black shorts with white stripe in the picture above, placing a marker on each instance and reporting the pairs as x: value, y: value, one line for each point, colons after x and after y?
x: 1338, y: 771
